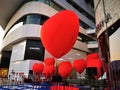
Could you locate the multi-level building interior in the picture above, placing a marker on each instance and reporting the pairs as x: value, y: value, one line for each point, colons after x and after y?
x: 22, y: 21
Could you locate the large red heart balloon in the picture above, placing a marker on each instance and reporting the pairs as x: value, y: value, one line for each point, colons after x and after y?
x: 79, y: 65
x: 59, y: 33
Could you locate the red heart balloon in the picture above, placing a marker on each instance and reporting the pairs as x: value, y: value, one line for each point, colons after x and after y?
x: 79, y: 65
x: 49, y: 61
x: 38, y: 68
x: 92, y: 56
x: 96, y: 63
x: 65, y: 68
x: 49, y: 70
x: 59, y: 33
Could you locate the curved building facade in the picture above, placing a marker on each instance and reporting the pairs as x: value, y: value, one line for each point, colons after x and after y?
x: 22, y: 32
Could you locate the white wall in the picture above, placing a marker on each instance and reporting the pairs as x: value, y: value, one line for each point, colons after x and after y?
x: 18, y: 51
x: 114, y: 42
x: 71, y: 55
x: 17, y: 57
x: 23, y: 66
x: 23, y: 32
x: 20, y: 66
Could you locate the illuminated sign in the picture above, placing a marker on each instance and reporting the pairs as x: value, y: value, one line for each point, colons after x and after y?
x: 34, y: 48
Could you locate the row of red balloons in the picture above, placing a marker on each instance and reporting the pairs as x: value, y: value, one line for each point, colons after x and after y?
x: 65, y: 67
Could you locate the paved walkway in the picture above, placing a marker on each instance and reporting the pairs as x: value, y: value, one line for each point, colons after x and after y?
x: 3, y: 81
x: 26, y: 86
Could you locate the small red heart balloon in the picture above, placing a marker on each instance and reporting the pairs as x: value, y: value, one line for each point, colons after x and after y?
x: 79, y: 65
x: 49, y: 70
x: 92, y: 56
x: 96, y: 63
x: 38, y: 68
x: 49, y: 61
x: 65, y: 68
x: 59, y: 33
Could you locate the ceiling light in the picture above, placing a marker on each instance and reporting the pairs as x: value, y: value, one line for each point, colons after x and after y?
x: 78, y: 54
x: 60, y: 59
x: 69, y: 58
x: 17, y: 62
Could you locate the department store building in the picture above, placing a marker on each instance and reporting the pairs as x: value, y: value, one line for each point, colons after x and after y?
x: 22, y: 21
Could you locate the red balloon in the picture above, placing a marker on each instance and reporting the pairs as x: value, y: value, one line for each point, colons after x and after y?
x: 49, y: 61
x: 98, y: 73
x: 65, y: 68
x: 97, y: 64
x: 49, y: 70
x: 38, y: 68
x: 59, y: 33
x: 94, y: 63
x: 79, y: 65
x: 92, y: 56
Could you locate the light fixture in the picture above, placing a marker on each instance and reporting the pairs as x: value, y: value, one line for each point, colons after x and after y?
x: 17, y: 62
x: 78, y: 54
x: 60, y: 59
x: 69, y: 58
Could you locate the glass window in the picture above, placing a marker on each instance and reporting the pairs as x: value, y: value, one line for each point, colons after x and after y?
x: 36, y: 19
x: 33, y: 19
x: 41, y: 1
x: 47, y: 2
x: 43, y: 19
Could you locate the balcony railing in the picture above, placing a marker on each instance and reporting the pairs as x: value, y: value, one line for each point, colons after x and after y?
x: 90, y: 31
x: 92, y: 44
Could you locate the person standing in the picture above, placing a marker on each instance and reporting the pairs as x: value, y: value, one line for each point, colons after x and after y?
x: 12, y: 75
